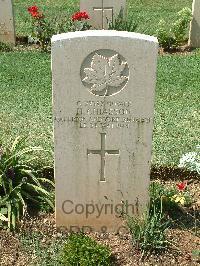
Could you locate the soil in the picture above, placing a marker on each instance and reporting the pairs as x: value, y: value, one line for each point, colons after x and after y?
x: 22, y: 44
x: 184, y: 235
x: 180, y: 50
x: 185, y: 240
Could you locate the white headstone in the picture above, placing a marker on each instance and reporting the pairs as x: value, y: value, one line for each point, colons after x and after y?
x: 103, y: 101
x: 7, y: 29
x: 194, y: 39
x: 102, y: 12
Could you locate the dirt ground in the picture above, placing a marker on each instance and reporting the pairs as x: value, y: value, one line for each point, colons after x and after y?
x: 184, y: 240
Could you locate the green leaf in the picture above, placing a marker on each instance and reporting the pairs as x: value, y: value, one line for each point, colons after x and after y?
x: 3, y: 218
x: 29, y: 173
x: 15, y: 143
x: 45, y: 180
x: 9, y: 215
x: 196, y: 252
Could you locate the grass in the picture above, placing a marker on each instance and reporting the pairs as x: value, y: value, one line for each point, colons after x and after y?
x: 25, y: 84
x: 147, y: 13
x: 26, y: 98
x: 177, y: 114
x: 51, y: 8
x: 26, y: 105
x: 26, y: 102
x: 39, y: 251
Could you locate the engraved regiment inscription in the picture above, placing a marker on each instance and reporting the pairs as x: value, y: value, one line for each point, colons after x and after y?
x: 103, y: 114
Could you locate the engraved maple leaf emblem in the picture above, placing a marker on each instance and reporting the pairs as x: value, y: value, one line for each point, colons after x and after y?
x: 104, y: 73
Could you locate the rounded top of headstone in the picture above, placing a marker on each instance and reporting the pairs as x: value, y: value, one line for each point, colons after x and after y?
x: 103, y: 33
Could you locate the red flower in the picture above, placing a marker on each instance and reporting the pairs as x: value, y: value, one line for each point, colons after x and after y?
x: 37, y: 15
x: 181, y: 186
x: 33, y: 9
x: 79, y: 16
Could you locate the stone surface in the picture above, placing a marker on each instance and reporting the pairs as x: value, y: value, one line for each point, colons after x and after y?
x: 102, y: 11
x: 194, y: 39
x: 103, y: 98
x: 7, y: 29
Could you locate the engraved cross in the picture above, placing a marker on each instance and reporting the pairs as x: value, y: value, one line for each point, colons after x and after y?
x: 103, y: 152
x: 105, y: 11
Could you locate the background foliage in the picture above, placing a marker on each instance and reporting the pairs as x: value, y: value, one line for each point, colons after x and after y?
x: 146, y: 12
x: 26, y: 103
x: 25, y: 85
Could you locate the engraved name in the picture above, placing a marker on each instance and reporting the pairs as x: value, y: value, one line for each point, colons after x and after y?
x: 100, y: 114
